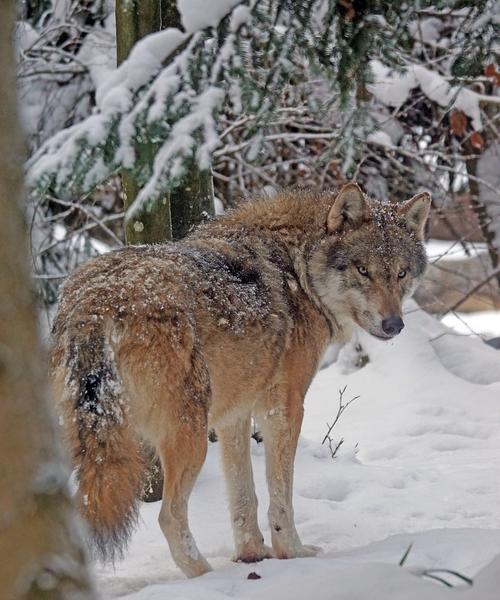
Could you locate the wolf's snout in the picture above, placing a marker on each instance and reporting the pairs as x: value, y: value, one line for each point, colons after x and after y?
x: 392, y: 325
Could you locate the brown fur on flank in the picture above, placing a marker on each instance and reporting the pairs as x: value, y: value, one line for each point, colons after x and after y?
x: 156, y: 343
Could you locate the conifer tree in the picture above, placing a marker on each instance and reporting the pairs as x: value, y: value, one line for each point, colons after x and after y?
x: 167, y: 95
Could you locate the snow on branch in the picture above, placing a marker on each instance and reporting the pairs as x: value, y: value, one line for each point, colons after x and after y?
x: 195, y: 16
x: 166, y: 98
x: 144, y: 101
x: 160, y: 111
x: 393, y: 88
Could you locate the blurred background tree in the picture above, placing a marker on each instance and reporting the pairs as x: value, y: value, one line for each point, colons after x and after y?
x: 41, y: 545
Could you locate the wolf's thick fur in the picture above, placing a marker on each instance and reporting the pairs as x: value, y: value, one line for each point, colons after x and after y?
x: 156, y: 343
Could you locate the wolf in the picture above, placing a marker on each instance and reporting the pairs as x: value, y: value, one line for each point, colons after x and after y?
x: 155, y: 344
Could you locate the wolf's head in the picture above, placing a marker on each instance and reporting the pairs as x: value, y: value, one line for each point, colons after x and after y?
x: 370, y: 259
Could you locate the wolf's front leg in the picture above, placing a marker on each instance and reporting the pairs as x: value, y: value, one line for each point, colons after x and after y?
x: 281, y: 422
x: 235, y: 447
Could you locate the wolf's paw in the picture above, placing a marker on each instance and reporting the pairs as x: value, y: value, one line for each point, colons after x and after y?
x: 301, y: 551
x: 251, y: 555
x: 308, y: 550
x: 195, y: 568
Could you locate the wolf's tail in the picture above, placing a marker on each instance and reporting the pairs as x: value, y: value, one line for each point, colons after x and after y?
x: 106, y: 451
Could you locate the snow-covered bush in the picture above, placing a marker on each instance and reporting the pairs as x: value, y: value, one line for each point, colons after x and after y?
x: 246, y: 55
x: 63, y: 47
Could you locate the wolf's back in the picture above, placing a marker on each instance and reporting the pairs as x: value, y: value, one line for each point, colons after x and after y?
x: 106, y: 452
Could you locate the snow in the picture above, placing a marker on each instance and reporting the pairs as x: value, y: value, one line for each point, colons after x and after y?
x: 452, y: 249
x: 115, y: 96
x: 25, y: 37
x: 145, y: 60
x: 454, y: 349
x: 427, y: 29
x: 241, y: 15
x: 218, y: 206
x: 418, y: 466
x: 140, y: 89
x: 485, y: 323
x: 393, y: 88
x: 380, y: 137
x: 98, y: 52
x: 181, y: 140
x: 195, y: 16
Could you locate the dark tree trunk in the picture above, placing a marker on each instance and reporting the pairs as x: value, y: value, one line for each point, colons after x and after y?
x: 191, y: 203
x: 134, y: 20
x: 480, y: 209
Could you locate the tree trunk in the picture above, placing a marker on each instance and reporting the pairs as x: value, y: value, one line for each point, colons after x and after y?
x: 483, y: 187
x: 134, y: 20
x: 480, y: 209
x: 41, y: 551
x: 192, y: 202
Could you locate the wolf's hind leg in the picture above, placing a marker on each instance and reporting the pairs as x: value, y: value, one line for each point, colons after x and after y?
x: 182, y: 456
x: 235, y: 449
x: 168, y: 383
x: 182, y: 452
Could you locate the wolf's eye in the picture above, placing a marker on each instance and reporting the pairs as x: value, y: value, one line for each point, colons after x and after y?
x: 363, y: 271
x: 402, y: 274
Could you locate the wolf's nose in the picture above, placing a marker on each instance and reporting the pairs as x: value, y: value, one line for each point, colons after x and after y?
x: 392, y: 325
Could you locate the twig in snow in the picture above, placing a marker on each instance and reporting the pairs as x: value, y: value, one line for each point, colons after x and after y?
x: 332, y: 445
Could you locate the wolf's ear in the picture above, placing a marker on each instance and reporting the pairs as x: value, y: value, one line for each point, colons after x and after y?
x: 415, y: 212
x: 348, y: 209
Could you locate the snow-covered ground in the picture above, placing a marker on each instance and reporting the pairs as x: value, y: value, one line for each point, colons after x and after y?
x: 452, y: 249
x: 486, y: 323
x: 420, y: 465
